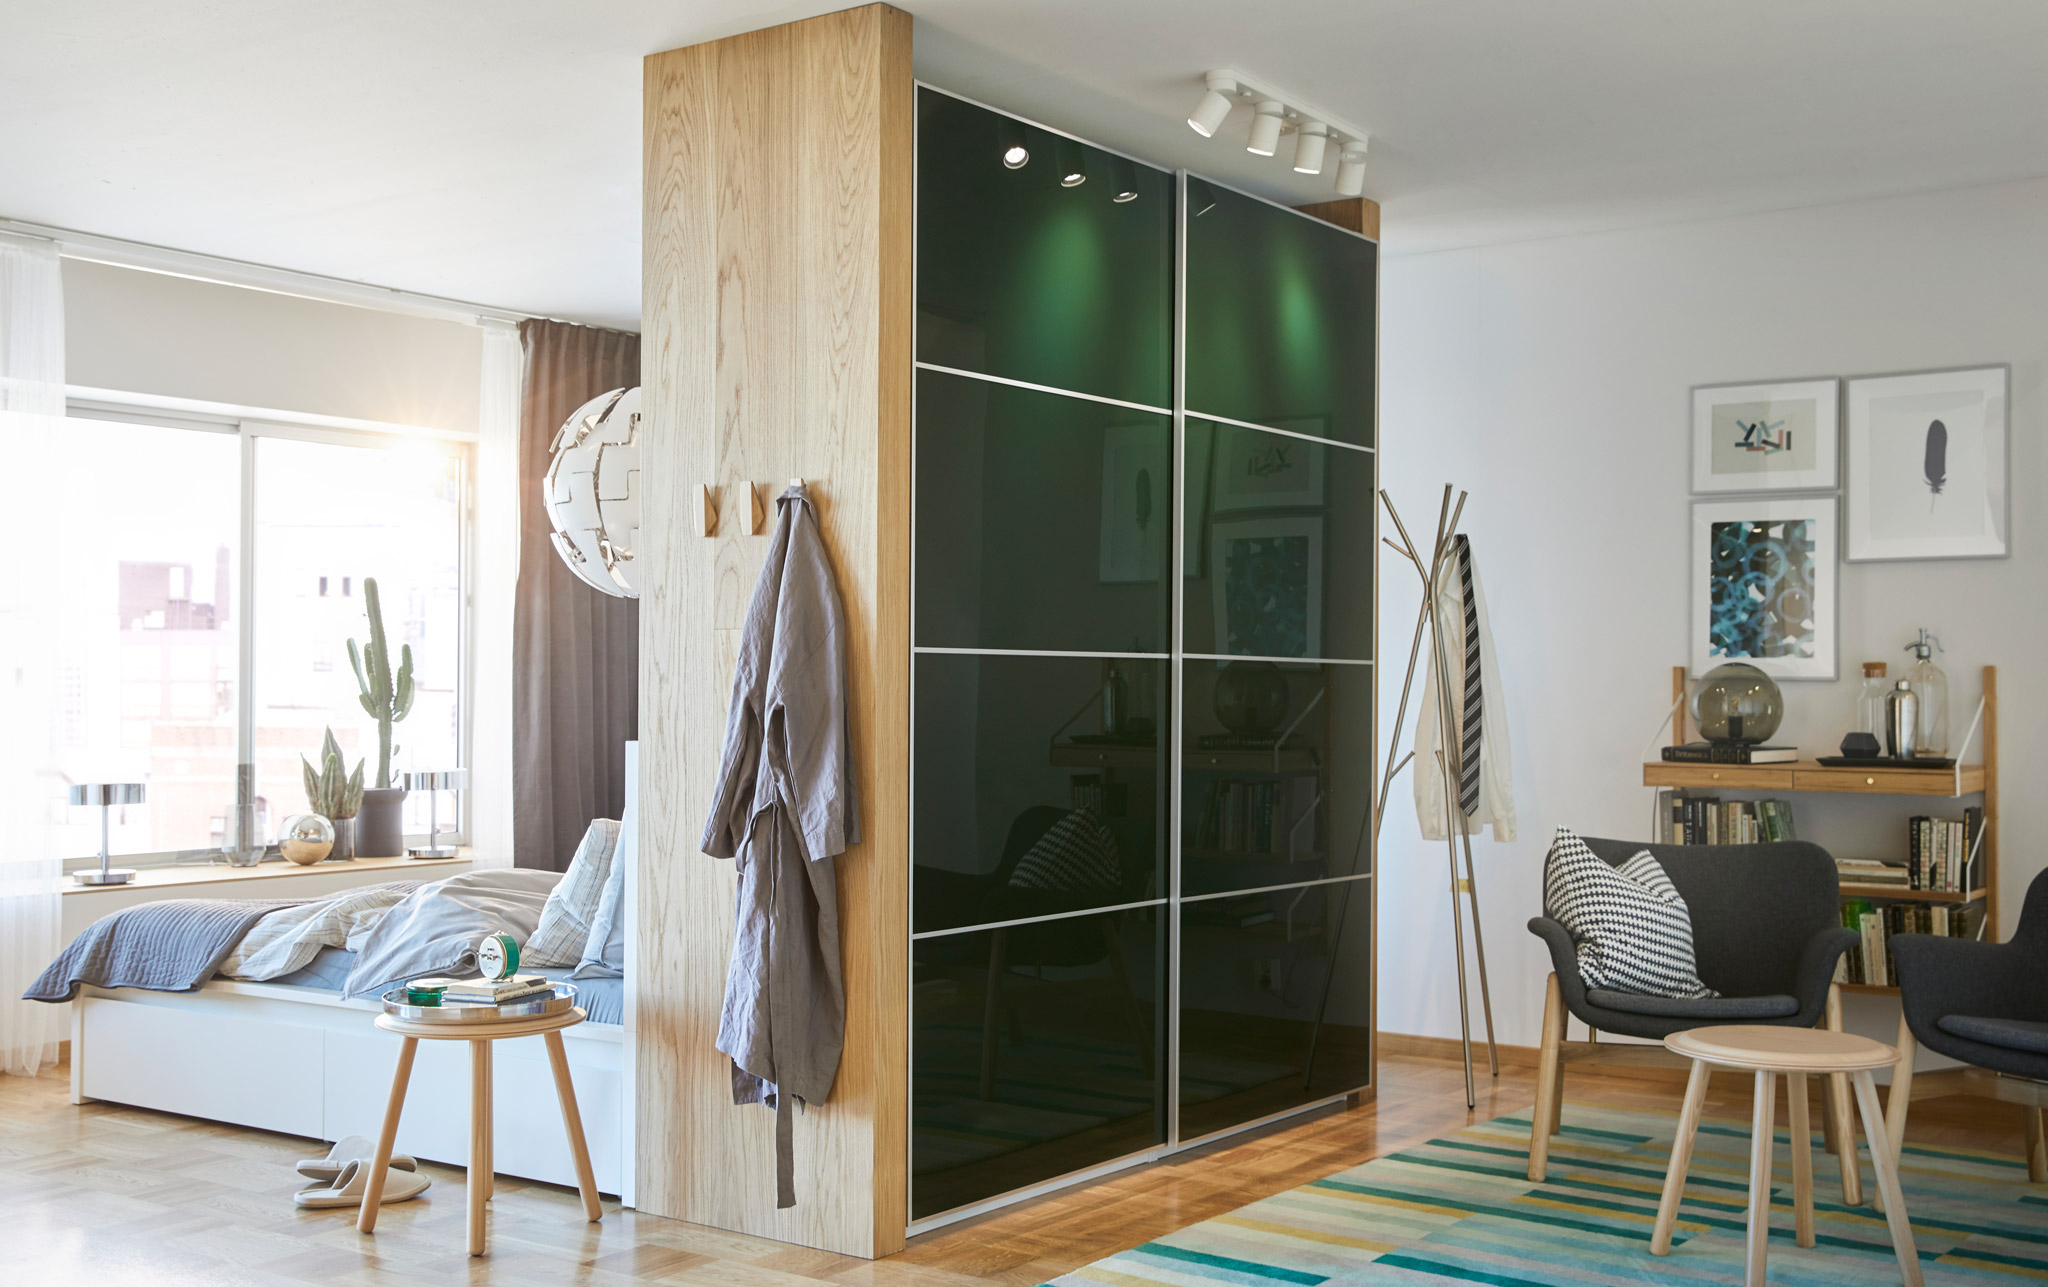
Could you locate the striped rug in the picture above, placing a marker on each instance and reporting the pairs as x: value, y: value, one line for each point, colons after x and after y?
x: 1463, y: 1210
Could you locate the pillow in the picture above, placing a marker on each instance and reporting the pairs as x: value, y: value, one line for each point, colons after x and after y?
x: 565, y: 921
x: 1633, y: 931
x: 1076, y: 853
x: 604, y: 951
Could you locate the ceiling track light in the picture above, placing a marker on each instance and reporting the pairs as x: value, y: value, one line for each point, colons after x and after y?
x: 1126, y: 180
x: 1309, y: 138
x: 1073, y: 164
x: 1275, y: 114
x: 1270, y: 115
x: 1010, y: 144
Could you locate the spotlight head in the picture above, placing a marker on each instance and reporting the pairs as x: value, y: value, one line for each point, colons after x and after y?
x: 1126, y: 180
x: 1308, y: 147
x: 1073, y: 164
x: 1351, y: 170
x: 1010, y: 144
x: 1215, y: 105
x: 1265, y: 137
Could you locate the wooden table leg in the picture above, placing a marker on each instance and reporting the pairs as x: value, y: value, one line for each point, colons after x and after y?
x: 373, y: 1193
x: 490, y: 1118
x: 1802, y: 1158
x: 1842, y: 1107
x: 1887, y: 1180
x: 479, y: 1126
x: 1681, y: 1158
x: 572, y: 1122
x: 1760, y: 1128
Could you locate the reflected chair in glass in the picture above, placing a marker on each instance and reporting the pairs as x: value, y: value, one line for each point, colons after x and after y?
x: 1987, y: 1005
x: 1767, y: 931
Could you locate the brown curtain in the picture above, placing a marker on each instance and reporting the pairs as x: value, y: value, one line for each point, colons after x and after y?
x: 575, y: 651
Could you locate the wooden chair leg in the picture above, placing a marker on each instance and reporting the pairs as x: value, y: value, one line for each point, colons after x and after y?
x: 1543, y: 1119
x: 991, y: 1012
x: 572, y: 1123
x: 1801, y: 1132
x: 1842, y: 1108
x: 373, y: 1194
x: 1760, y: 1174
x: 1681, y: 1159
x: 479, y: 1132
x: 1899, y: 1099
x: 2037, y: 1146
x: 1887, y: 1180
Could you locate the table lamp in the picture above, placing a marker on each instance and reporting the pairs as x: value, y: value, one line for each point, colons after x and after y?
x: 106, y: 795
x: 433, y: 784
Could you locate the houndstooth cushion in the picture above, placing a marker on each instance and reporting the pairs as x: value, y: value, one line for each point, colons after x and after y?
x: 1633, y: 931
x: 1076, y: 853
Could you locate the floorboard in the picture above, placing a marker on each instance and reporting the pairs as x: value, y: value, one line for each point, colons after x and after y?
x: 106, y: 1194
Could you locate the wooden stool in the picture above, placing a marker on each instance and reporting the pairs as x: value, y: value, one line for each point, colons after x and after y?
x: 1796, y: 1053
x: 480, y: 1036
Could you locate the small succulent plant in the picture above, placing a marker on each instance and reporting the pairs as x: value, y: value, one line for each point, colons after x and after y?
x: 328, y: 792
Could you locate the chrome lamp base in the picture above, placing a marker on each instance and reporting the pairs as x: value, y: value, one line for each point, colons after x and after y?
x: 104, y: 875
x: 431, y: 851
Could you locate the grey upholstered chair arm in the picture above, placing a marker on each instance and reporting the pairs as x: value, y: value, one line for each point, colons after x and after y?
x: 1564, y: 954
x: 1943, y: 976
x: 1817, y: 968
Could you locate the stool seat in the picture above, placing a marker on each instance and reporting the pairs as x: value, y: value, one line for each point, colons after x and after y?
x: 1781, y: 1049
x: 480, y: 1034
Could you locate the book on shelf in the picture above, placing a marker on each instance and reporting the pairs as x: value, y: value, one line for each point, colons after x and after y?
x: 1237, y: 741
x: 1267, y: 816
x: 1947, y: 854
x: 1870, y: 960
x: 1730, y: 753
x: 1689, y: 818
x: 1873, y: 871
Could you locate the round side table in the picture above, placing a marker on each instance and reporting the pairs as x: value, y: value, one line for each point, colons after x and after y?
x: 480, y: 1036
x: 1795, y: 1054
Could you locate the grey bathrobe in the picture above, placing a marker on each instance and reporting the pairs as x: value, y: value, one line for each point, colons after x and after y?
x: 784, y: 807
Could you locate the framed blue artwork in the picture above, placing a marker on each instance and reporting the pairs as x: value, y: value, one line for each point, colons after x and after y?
x: 1268, y: 576
x: 1764, y: 582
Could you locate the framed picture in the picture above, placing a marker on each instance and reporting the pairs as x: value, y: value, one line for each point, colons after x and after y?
x: 1764, y: 580
x: 1928, y: 454
x: 1779, y: 437
x: 1257, y: 471
x: 1137, y: 503
x: 1268, y: 576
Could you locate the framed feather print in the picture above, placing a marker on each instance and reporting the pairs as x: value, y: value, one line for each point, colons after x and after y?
x: 1927, y: 455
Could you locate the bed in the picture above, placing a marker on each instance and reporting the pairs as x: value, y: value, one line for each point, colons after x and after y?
x: 293, y: 1054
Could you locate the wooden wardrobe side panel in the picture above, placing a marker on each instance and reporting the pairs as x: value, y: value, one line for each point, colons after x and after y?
x: 777, y: 332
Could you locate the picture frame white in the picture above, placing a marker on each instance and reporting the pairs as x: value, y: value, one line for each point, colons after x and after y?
x: 1749, y: 603
x: 1772, y: 436
x: 1258, y: 469
x: 1137, y: 504
x: 1909, y: 496
x: 1284, y: 625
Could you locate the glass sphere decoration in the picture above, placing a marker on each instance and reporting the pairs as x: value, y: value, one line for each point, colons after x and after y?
x: 1737, y: 703
x: 1251, y: 697
x: 591, y: 492
x: 306, y: 838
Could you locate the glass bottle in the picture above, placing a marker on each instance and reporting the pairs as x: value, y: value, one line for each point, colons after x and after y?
x: 1870, y: 700
x: 1932, y: 685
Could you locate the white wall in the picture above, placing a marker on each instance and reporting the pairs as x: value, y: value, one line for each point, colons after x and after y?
x: 144, y: 332
x: 1550, y: 379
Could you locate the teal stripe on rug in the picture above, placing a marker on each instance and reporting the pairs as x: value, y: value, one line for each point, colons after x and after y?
x: 1247, y: 1268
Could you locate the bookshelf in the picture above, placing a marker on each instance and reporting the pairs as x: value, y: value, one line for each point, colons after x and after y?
x: 1809, y: 776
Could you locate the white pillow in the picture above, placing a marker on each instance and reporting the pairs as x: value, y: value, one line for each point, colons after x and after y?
x: 565, y: 921
x: 604, y: 952
x: 1632, y: 929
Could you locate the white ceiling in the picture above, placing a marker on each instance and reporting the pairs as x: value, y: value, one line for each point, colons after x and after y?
x: 488, y: 150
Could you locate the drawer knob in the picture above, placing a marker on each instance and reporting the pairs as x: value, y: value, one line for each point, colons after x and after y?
x: 1870, y: 782
x: 1717, y: 777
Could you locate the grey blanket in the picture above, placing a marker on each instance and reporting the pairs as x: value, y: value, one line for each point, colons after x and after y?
x: 171, y: 946
x: 436, y: 929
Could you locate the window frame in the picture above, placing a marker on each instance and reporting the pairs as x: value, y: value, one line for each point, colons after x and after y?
x: 249, y: 425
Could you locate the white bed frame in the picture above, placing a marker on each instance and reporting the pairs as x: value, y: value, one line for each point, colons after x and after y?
x: 302, y: 1061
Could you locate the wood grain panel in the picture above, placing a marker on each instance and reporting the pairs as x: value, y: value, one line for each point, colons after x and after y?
x: 776, y: 344
x: 1357, y: 214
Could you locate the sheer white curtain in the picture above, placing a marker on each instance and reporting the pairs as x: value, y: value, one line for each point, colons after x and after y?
x: 31, y: 428
x: 497, y: 578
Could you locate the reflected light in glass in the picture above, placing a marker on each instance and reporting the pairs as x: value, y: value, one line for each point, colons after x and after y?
x: 1073, y: 164
x: 1126, y: 181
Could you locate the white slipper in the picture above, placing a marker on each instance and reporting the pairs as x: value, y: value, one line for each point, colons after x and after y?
x: 350, y: 1148
x: 349, y: 1186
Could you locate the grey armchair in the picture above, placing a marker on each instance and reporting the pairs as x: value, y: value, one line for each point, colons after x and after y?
x: 1987, y: 1005
x: 1767, y: 932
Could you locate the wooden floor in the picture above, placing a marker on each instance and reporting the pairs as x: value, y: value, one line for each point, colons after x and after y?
x: 109, y: 1195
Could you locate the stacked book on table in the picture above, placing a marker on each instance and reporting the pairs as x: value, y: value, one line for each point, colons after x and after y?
x: 519, y: 987
x: 1870, y: 961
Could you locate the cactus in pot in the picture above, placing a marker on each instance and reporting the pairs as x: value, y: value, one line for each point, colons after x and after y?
x: 387, y: 698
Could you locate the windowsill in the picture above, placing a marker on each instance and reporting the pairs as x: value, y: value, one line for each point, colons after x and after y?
x: 172, y: 876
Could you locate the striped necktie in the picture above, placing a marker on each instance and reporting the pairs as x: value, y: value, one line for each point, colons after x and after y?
x: 1469, y: 746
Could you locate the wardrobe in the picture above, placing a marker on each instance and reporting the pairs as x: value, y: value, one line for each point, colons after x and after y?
x: 1094, y: 444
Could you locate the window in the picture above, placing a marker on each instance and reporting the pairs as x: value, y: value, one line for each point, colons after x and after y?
x: 217, y: 583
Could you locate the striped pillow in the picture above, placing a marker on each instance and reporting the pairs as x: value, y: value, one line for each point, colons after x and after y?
x: 1633, y: 931
x: 565, y: 921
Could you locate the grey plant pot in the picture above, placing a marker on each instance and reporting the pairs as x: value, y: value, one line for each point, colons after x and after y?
x: 344, y: 840
x: 380, y: 823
